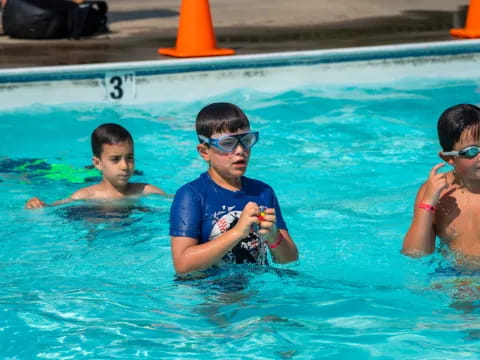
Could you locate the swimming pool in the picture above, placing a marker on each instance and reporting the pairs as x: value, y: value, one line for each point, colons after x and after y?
x: 345, y: 155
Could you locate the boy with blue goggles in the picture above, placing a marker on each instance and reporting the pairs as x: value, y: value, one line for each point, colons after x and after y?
x: 224, y: 216
x: 446, y: 205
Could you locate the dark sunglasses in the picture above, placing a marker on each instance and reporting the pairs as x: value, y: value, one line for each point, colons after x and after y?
x: 469, y: 152
x: 228, y: 143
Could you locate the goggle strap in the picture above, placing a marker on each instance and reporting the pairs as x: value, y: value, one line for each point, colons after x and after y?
x: 203, y: 139
x: 450, y: 153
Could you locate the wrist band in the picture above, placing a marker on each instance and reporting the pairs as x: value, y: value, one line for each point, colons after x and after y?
x: 427, y: 207
x: 276, y: 243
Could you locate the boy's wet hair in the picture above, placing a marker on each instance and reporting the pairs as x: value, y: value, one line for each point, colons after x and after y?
x: 220, y: 117
x: 454, y: 121
x: 109, y: 134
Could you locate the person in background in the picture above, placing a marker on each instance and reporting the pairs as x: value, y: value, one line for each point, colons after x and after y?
x: 112, y: 147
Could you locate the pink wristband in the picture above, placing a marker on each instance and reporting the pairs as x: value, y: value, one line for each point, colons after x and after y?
x: 276, y: 243
x: 427, y: 207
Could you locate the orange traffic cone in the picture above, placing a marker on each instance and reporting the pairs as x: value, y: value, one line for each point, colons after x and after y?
x: 195, y: 32
x: 472, y: 26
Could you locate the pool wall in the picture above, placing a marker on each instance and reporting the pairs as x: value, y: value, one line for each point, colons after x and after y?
x: 187, y: 80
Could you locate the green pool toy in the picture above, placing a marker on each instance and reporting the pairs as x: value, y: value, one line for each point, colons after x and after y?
x: 41, y: 169
x: 62, y: 172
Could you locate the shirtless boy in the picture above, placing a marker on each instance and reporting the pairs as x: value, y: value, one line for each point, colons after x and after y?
x: 112, y: 147
x: 448, y: 203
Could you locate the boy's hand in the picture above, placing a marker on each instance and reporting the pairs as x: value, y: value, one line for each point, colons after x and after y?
x: 435, y: 184
x: 247, y: 219
x: 267, y: 225
x: 34, y: 203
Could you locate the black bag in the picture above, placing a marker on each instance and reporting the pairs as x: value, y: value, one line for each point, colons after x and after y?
x: 53, y: 19
x: 87, y: 19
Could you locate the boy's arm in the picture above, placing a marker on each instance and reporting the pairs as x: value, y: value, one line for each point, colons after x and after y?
x: 36, y: 203
x: 284, y: 249
x: 420, y: 237
x: 190, y: 256
x: 279, y: 241
x: 151, y: 189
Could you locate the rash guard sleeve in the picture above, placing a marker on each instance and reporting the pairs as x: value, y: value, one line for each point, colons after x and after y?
x: 186, y: 213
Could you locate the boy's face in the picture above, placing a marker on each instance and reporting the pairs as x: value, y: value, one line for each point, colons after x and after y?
x: 116, y: 163
x: 465, y: 167
x: 229, y: 165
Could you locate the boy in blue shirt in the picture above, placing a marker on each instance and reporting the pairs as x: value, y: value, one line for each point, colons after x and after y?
x: 223, y: 216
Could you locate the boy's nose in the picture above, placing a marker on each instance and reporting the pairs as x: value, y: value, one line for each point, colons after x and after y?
x: 239, y: 149
x: 124, y: 164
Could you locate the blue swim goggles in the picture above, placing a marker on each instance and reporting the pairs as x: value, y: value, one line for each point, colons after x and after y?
x: 228, y: 143
x: 469, y: 152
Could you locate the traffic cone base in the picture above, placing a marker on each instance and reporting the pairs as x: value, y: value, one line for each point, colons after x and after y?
x: 465, y: 33
x: 472, y: 23
x: 209, y: 52
x: 195, y: 36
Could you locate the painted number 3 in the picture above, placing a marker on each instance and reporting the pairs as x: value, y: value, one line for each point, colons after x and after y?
x: 116, y: 82
x: 120, y: 86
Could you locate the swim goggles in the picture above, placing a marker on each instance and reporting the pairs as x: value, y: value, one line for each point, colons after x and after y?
x: 469, y: 152
x: 228, y: 143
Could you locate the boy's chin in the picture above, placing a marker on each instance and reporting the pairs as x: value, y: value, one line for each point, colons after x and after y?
x: 239, y: 171
x: 473, y: 177
x: 475, y: 174
x: 121, y: 181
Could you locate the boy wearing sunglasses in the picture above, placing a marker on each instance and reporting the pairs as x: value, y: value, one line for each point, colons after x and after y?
x: 448, y: 204
x: 223, y: 216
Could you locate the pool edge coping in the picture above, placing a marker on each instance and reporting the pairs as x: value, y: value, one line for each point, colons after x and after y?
x: 309, y: 57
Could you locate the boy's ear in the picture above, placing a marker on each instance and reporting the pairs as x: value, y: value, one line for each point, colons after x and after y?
x: 203, y: 151
x: 96, y: 162
x: 447, y: 158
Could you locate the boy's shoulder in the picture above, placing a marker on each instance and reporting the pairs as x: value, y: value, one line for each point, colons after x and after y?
x: 85, y: 193
x: 97, y: 191
x: 146, y: 189
x: 204, y: 179
x: 255, y: 183
x: 195, y: 185
x: 204, y: 184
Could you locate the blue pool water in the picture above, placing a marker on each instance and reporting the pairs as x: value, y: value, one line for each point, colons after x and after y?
x: 346, y: 162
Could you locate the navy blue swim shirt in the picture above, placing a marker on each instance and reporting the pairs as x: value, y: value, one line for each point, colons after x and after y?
x: 203, y: 210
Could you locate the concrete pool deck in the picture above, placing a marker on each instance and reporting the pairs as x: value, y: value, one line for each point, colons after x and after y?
x: 139, y: 27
